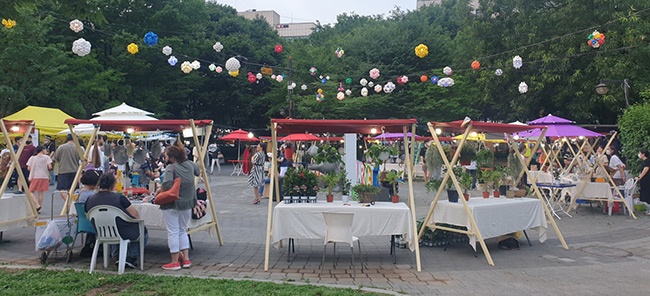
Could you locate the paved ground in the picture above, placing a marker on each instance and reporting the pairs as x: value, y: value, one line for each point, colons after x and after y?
x: 607, y: 255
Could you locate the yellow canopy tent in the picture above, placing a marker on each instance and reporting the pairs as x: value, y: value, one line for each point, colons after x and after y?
x: 481, y: 137
x: 48, y: 121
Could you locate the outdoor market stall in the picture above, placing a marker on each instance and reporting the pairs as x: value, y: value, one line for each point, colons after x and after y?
x: 16, y: 210
x: 289, y: 126
x: 176, y: 125
x: 472, y: 219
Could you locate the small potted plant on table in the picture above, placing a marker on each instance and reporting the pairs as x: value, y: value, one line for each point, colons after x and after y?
x: 365, y: 192
x: 497, y: 178
x: 330, y: 180
x: 392, y: 177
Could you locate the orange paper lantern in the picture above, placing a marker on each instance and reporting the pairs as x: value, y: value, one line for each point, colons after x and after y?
x: 424, y: 78
x: 476, y: 65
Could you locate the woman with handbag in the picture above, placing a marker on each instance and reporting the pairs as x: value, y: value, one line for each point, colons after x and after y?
x: 256, y: 175
x: 178, y: 212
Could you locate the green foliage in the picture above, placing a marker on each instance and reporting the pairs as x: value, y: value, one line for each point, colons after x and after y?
x: 330, y: 180
x: 392, y: 177
x: 468, y: 151
x: 433, y: 184
x: 634, y: 126
x: 364, y: 192
x: 464, y: 179
x: 376, y: 150
x: 328, y: 154
x: 300, y: 182
x: 485, y: 158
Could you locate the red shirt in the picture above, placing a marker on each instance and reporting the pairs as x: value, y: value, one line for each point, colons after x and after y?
x: 28, y: 151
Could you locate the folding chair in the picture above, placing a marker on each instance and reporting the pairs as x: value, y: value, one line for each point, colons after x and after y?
x: 339, y: 230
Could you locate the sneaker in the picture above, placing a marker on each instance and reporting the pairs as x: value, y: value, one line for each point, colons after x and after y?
x: 172, y: 266
x: 187, y: 264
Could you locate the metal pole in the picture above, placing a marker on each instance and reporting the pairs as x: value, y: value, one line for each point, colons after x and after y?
x: 290, y: 88
x: 626, y: 90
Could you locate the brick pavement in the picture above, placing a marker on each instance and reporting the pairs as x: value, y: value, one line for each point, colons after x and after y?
x: 607, y: 255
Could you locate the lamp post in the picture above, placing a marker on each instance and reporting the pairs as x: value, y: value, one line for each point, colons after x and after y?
x: 602, y: 88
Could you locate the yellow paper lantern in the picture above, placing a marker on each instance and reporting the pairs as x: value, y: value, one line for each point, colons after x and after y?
x: 132, y: 48
x: 234, y: 73
x: 421, y: 51
x: 8, y: 23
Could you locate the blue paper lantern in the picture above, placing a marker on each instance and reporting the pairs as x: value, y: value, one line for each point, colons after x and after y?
x: 151, y: 39
x: 323, y: 81
x: 434, y: 79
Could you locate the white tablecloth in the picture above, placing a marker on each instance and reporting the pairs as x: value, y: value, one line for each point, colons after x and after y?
x: 153, y: 218
x: 305, y: 220
x: 14, y: 207
x: 592, y: 190
x: 494, y: 216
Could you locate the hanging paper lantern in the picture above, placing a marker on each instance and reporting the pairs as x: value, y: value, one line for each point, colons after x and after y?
x: 446, y: 82
x: 132, y: 48
x: 172, y: 61
x: 364, y: 92
x: 81, y: 47
x: 523, y: 87
x: 150, y: 39
x: 476, y: 65
x: 434, y: 79
x: 389, y: 87
x: 348, y: 81
x: 399, y: 80
x: 323, y: 81
x: 517, y: 62
x: 321, y: 77
x: 186, y: 67
x: 303, y: 87
x: 212, y: 67
x: 405, y: 79
x: 218, y: 69
x: 251, y: 78
x: 167, y: 50
x: 371, y: 84
x: 217, y: 46
x: 76, y: 26
x: 424, y: 78
x: 596, y: 39
x: 232, y: 64
x: 320, y: 97
x: 348, y: 92
x: 498, y: 72
x: 8, y: 23
x: 320, y: 91
x: 340, y: 96
x: 313, y: 71
x: 195, y: 65
x: 234, y: 73
x: 421, y: 51
x: 279, y: 78
x: 278, y: 48
x: 339, y: 52
x: 363, y: 81
x: 378, y: 88
x: 374, y: 73
x: 291, y: 85
x: 447, y: 70
x: 258, y: 76
x: 273, y: 76
x: 327, y: 77
x: 340, y: 86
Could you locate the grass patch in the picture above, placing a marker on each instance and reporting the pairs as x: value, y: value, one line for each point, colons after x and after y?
x: 48, y: 282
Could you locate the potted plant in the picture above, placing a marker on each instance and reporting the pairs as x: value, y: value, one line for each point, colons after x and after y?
x: 365, y: 192
x: 467, y: 153
x: 300, y: 182
x: 482, y: 177
x: 345, y: 187
x: 392, y: 177
x: 327, y: 159
x: 465, y: 179
x: 497, y: 177
x: 330, y: 180
x: 485, y: 159
x: 379, y: 153
x: 433, y: 185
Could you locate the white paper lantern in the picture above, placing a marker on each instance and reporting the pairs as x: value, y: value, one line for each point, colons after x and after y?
x: 405, y: 79
x: 195, y: 65
x: 523, y: 87
x: 446, y: 82
x: 292, y: 85
x: 447, y: 70
x: 327, y: 77
x: 378, y: 88
x: 348, y: 92
x: 172, y: 61
x: 371, y: 84
x: 389, y: 87
x: 217, y: 46
x: 218, y: 69
x: 273, y: 76
x: 76, y: 26
x: 363, y: 81
x: 81, y: 47
x: 364, y: 92
x: 232, y: 64
x: 517, y: 62
x: 212, y: 67
x: 186, y: 67
x: 498, y: 72
x: 340, y: 96
x: 303, y: 87
x: 258, y: 76
x: 279, y: 78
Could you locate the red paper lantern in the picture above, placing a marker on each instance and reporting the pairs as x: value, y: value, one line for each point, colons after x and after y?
x: 476, y: 65
x: 424, y: 78
x: 278, y: 48
x: 251, y: 77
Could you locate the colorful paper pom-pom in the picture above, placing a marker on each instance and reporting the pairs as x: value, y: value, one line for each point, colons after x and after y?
x: 517, y: 62
x: 323, y: 81
x: 596, y: 39
x: 81, y: 47
x: 167, y: 50
x: 363, y: 81
x: 446, y: 82
x: 150, y: 39
x: 348, y: 80
x: 476, y: 65
x: 405, y: 79
x: 232, y: 64
x: 217, y: 46
x: 378, y: 88
x: 340, y: 86
x: 421, y: 51
x: 348, y: 92
x: 172, y: 61
x: 212, y: 67
x: 523, y: 87
x: 498, y: 72
x: 234, y: 73
x: 132, y: 48
x: 340, y: 96
x: 364, y: 92
x: 278, y: 48
x: 389, y: 87
x: 76, y: 26
x: 195, y: 65
x: 339, y: 52
x: 218, y: 69
x: 186, y: 67
x: 258, y: 76
x: 371, y: 84
x: 303, y: 87
x: 447, y: 70
x: 291, y: 85
x: 424, y: 78
x: 313, y: 71
x: 279, y: 78
x: 434, y: 79
x: 8, y: 23
x: 374, y: 73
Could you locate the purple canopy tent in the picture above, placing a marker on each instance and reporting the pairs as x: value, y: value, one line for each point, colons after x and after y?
x: 396, y: 136
x: 557, y: 127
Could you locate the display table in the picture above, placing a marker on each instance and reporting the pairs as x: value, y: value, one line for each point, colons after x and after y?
x: 237, y: 167
x: 591, y: 191
x: 553, y: 197
x: 494, y: 216
x: 305, y: 220
x: 15, y: 212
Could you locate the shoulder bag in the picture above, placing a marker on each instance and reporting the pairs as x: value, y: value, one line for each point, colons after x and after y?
x: 170, y: 195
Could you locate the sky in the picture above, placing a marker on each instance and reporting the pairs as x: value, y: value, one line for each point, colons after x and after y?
x: 325, y: 11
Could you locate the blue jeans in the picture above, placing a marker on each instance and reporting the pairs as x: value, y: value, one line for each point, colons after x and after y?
x: 134, y: 248
x: 52, y: 178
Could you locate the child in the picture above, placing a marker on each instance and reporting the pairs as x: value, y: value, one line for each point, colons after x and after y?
x: 39, y: 167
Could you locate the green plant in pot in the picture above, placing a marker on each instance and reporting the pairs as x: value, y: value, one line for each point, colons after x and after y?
x: 465, y: 179
x: 497, y: 178
x: 485, y: 158
x: 433, y: 185
x: 467, y: 153
x: 365, y: 192
x: 392, y: 177
x: 300, y: 182
x: 379, y: 153
x: 483, y: 176
x: 330, y: 180
x: 327, y: 159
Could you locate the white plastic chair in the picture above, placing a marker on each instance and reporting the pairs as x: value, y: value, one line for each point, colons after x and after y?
x: 630, y: 188
x: 104, y: 217
x: 339, y: 230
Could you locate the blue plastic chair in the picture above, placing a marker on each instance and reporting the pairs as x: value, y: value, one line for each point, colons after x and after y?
x: 83, y: 224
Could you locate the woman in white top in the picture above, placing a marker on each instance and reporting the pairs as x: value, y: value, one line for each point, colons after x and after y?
x: 617, y: 166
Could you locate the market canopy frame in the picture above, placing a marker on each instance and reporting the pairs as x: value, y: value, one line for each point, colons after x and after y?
x: 175, y: 125
x: 340, y: 126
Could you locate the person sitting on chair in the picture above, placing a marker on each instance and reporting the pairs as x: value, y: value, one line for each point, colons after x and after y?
x: 106, y: 197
